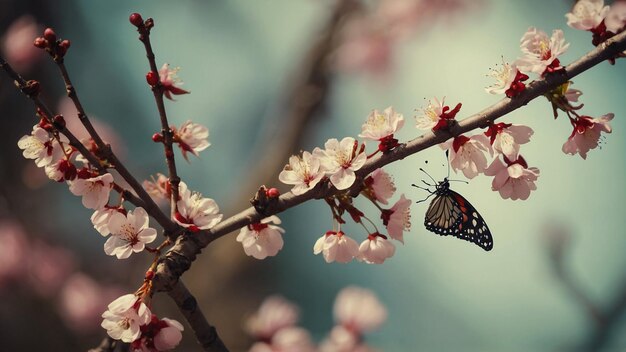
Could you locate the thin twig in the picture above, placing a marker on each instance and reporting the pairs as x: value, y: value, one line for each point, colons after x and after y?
x: 205, y: 333
x: 183, y: 253
x: 151, y: 207
x: 155, y: 212
x: 166, y: 131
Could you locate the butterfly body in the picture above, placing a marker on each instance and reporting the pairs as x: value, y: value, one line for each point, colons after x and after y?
x: 449, y: 213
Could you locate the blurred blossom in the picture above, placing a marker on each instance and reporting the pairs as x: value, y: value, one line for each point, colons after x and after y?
x: 48, y: 267
x: 364, y: 48
x: 17, y: 43
x: 290, y: 339
x: 82, y: 301
x: 274, y: 314
x: 359, y: 310
x: 12, y: 250
x: 341, y: 339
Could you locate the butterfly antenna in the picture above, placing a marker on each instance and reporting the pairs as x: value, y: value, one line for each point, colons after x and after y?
x: 427, y: 174
x: 448, y: 160
x: 420, y: 187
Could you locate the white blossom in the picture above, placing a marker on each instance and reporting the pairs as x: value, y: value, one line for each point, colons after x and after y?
x: 302, y: 172
x: 95, y: 191
x: 340, y: 160
x: 130, y: 233
x: 262, y: 240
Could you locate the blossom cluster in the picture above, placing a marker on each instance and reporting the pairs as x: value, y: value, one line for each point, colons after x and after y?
x: 130, y: 320
x: 337, y: 163
x: 357, y: 311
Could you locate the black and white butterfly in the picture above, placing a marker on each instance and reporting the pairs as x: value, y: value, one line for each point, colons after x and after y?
x: 449, y: 213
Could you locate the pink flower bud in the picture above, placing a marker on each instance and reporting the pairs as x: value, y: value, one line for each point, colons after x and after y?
x: 50, y: 35
x: 40, y: 42
x: 157, y: 138
x: 152, y: 78
x: 135, y: 19
x: 273, y: 193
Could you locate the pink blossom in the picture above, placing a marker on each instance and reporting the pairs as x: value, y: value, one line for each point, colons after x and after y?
x: 381, y: 127
x: 468, y: 154
x: 261, y: 240
x: 170, y: 81
x: 158, y: 335
x: 616, y: 17
x: 359, y: 310
x: 540, y: 52
x: 61, y: 170
x: 191, y: 137
x: 95, y: 191
x: 39, y: 145
x: 289, y: 339
x: 342, y: 339
x: 158, y: 188
x: 12, y: 251
x: 514, y: 180
x: 587, y: 14
x: 340, y: 160
x: 379, y: 186
x: 336, y: 246
x: 586, y: 134
x: 195, y: 212
x: 274, y: 314
x: 130, y: 233
x: 124, y: 316
x: 375, y: 249
x: 508, y: 80
x: 436, y: 116
x: 398, y: 218
x: 17, y: 43
x: 506, y: 138
x: 100, y: 219
x: 364, y: 48
x: 302, y: 172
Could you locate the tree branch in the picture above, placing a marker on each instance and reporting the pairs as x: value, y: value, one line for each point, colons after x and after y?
x: 178, y: 259
x: 205, y: 333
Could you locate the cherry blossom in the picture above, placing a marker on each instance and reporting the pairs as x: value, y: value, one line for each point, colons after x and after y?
x: 130, y: 233
x: 342, y: 339
x: 159, y: 335
x: 587, y: 14
x: 191, y: 137
x: 364, y: 48
x: 17, y: 43
x: 13, y: 250
x: 195, y: 212
x: 124, y: 316
x: 302, y: 172
x: 398, y: 218
x: 616, y: 17
x: 336, y: 246
x: 436, y: 116
x: 508, y: 80
x: 381, y: 127
x: 340, y: 160
x: 61, y: 170
x: 262, y: 239
x: 506, y: 138
x: 48, y: 267
x: 468, y: 154
x: 95, y: 190
x: 379, y: 186
x: 40, y: 146
x: 289, y: 339
x: 586, y: 134
x: 514, y: 180
x: 375, y: 249
x: 274, y: 314
x: 359, y: 310
x: 100, y: 219
x: 158, y: 188
x: 170, y: 81
x: 540, y: 52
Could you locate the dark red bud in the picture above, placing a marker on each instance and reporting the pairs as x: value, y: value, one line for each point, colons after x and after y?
x: 149, y: 274
x: 135, y: 19
x: 40, y: 42
x: 152, y: 78
x: 59, y: 121
x: 157, y: 138
x: 50, y: 35
x: 272, y: 193
x: 31, y: 87
x: 43, y: 123
x: 65, y: 44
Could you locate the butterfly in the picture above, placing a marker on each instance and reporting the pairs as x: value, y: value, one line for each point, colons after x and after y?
x: 449, y: 213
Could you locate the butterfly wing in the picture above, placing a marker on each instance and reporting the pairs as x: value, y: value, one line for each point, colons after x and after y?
x: 451, y: 214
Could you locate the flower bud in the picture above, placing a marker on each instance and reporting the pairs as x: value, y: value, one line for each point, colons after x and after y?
x: 31, y: 88
x: 273, y: 193
x: 50, y: 35
x: 40, y: 42
x: 65, y: 44
x: 157, y: 138
x: 59, y: 121
x: 152, y: 78
x: 149, y: 274
x: 135, y: 19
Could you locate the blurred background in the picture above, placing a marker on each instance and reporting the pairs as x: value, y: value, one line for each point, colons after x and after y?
x: 270, y: 78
